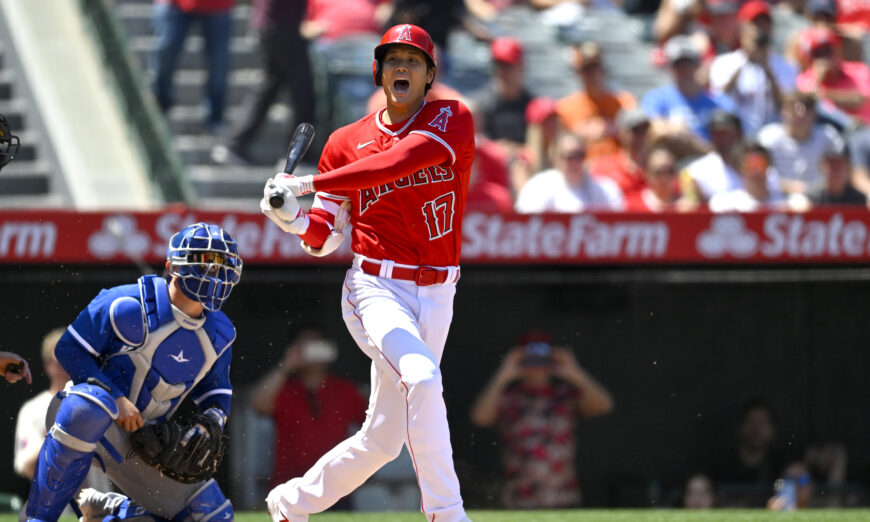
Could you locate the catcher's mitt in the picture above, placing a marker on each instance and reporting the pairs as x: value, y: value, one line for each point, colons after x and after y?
x: 187, y: 453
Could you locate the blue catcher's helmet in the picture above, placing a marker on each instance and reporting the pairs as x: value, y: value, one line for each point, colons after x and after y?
x: 206, y: 261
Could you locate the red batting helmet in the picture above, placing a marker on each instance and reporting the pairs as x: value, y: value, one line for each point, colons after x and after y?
x: 405, y: 34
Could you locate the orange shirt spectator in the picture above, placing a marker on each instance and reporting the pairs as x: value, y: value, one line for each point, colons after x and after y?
x: 591, y: 112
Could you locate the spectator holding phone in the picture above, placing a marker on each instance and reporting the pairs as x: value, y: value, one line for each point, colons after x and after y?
x: 535, y: 399
x: 754, y: 76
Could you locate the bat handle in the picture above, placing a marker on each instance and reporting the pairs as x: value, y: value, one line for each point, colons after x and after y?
x: 276, y: 200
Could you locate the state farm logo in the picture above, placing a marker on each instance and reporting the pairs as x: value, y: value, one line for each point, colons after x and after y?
x: 119, y: 235
x: 27, y: 239
x: 486, y: 235
x: 727, y: 235
x: 785, y: 236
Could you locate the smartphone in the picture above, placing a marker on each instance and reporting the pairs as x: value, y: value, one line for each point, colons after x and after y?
x: 14, y: 367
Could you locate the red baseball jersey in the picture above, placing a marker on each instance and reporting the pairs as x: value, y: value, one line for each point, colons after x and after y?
x: 416, y: 217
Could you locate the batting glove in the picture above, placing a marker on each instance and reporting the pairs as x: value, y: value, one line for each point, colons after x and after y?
x: 299, y: 186
x: 290, y: 217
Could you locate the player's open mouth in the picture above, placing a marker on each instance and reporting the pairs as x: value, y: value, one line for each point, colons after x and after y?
x: 401, y: 85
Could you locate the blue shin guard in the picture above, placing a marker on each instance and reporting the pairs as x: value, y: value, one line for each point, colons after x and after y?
x: 209, y: 503
x: 84, y: 415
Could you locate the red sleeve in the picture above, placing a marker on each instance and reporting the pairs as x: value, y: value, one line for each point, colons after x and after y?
x: 409, y: 155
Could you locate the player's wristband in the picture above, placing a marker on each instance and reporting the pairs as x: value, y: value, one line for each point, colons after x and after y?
x: 218, y: 415
x: 306, y: 184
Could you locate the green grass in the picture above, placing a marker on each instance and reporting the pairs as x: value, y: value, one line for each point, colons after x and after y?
x: 585, y: 515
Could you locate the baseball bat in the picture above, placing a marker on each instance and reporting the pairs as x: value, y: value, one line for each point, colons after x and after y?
x: 299, y: 143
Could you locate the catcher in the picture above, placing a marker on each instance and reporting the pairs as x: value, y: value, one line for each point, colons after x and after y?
x: 134, y: 354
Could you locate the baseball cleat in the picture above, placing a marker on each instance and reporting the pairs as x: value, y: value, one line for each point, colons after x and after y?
x: 96, y: 504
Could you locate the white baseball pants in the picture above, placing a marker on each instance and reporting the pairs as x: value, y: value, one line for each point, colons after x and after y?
x: 402, y: 327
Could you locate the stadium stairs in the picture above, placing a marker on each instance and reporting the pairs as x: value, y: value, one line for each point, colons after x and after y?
x: 343, y: 78
x: 216, y: 186
x: 27, y: 181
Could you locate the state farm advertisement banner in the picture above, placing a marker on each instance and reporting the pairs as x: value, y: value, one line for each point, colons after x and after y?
x: 827, y: 236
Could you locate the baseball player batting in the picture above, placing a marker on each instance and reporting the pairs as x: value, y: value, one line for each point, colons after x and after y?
x: 400, y: 176
x: 134, y: 354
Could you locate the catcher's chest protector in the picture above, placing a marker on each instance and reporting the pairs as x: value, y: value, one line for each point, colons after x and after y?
x: 167, y: 353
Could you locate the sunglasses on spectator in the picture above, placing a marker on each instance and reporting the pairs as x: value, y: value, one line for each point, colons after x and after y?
x: 667, y: 169
x: 574, y: 155
x: 591, y: 67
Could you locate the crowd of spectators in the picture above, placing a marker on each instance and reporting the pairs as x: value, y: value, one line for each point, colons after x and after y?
x: 766, y: 106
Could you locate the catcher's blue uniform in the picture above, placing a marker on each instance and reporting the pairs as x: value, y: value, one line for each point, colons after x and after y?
x: 131, y: 341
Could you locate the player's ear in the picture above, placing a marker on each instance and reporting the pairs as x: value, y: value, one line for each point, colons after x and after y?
x: 430, y: 75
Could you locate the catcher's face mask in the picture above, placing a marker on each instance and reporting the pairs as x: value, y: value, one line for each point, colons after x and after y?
x: 9, y: 142
x: 206, y: 260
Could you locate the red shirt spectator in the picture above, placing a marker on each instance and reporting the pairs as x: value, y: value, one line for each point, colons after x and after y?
x: 662, y: 190
x: 313, y: 409
x: 488, y: 189
x: 307, y: 425
x: 855, y: 12
x: 335, y: 19
x: 625, y: 167
x: 845, y: 84
x: 630, y: 176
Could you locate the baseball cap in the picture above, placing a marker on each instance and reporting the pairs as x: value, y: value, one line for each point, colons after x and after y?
x: 319, y: 351
x: 837, y: 149
x: 539, y: 109
x: 536, y: 347
x: 681, y: 47
x: 823, y: 7
x: 722, y: 6
x: 537, y: 353
x: 752, y: 10
x: 723, y: 118
x: 506, y: 49
x: 627, y: 119
x: 816, y: 38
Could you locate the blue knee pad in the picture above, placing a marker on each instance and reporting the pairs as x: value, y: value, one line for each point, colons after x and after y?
x: 85, y: 414
x: 209, y: 503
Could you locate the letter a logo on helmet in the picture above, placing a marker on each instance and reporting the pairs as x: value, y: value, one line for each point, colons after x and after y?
x: 405, y: 34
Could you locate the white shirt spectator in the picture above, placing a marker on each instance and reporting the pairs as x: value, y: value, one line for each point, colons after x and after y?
x: 30, y: 433
x: 739, y: 200
x: 30, y: 429
x: 796, y: 160
x: 752, y: 95
x: 548, y: 191
x: 712, y: 175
